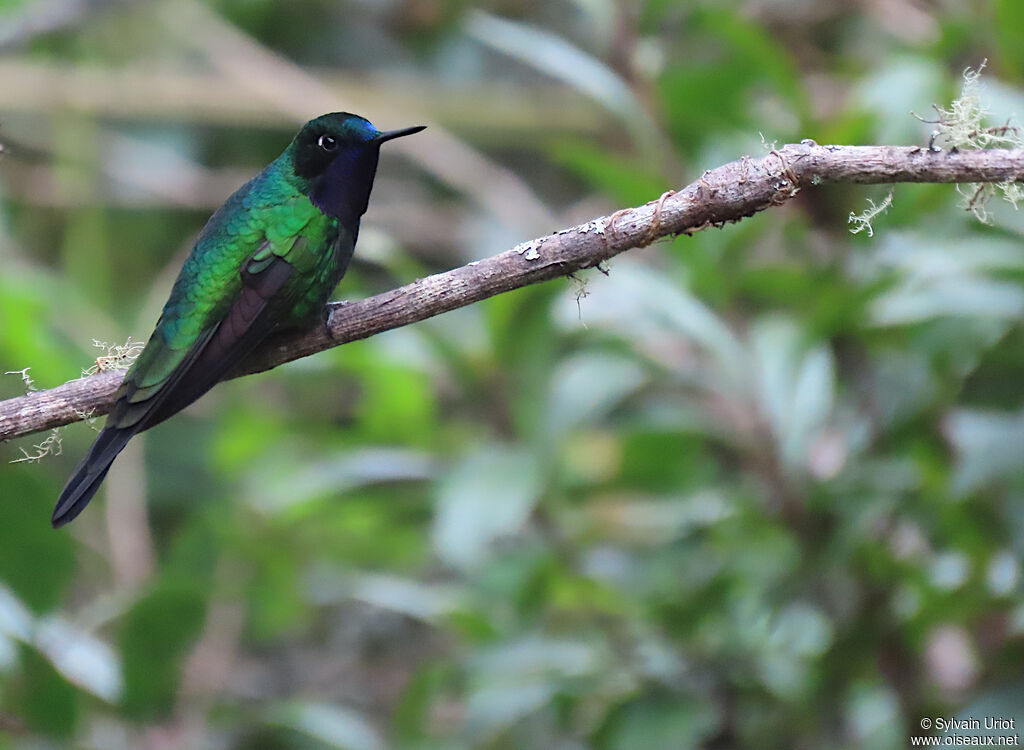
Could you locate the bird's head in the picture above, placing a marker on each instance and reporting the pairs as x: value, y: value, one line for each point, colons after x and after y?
x: 335, y: 156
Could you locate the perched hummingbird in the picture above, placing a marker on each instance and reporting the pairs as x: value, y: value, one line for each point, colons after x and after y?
x: 265, y: 261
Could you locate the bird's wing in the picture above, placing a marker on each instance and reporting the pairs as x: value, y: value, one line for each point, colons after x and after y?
x: 194, y: 372
x: 169, y: 380
x: 219, y: 308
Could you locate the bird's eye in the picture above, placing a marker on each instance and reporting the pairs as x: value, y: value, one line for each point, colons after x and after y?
x: 327, y: 142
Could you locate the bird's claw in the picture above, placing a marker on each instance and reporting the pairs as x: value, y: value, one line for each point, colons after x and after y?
x: 325, y: 322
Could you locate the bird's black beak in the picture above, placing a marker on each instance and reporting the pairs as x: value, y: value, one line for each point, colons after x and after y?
x: 391, y: 134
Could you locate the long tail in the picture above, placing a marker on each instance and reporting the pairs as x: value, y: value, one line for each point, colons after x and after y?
x: 89, y: 474
x: 141, y: 404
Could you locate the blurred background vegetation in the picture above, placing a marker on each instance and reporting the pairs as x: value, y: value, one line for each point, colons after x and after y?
x: 761, y: 487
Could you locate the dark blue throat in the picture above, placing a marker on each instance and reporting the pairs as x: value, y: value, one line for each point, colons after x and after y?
x: 343, y: 190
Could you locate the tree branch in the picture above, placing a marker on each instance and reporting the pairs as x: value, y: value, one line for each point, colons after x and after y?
x: 47, y: 17
x: 726, y: 194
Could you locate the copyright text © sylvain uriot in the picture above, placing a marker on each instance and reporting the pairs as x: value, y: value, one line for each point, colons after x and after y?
x: 987, y: 731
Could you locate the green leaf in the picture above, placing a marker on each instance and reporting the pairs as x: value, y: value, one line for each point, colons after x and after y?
x: 80, y: 657
x: 515, y: 678
x: 704, y: 98
x: 488, y: 496
x: 424, y: 689
x: 621, y: 178
x: 795, y: 387
x: 46, y: 702
x: 332, y: 725
x: 989, y: 446
x: 586, y: 387
x: 155, y: 636
x: 659, y: 725
x: 35, y: 561
x: 1009, y: 29
x: 557, y: 57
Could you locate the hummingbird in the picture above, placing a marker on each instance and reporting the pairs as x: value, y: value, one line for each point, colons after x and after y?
x: 266, y: 261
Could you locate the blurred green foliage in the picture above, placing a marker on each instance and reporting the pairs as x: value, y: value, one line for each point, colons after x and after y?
x: 759, y: 487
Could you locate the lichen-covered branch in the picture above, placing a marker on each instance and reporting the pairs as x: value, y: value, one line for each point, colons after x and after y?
x: 726, y: 194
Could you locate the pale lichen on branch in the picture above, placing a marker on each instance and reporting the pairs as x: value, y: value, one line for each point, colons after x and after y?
x: 52, y: 445
x: 862, y: 222
x: 117, y: 357
x: 962, y: 127
x: 26, y: 379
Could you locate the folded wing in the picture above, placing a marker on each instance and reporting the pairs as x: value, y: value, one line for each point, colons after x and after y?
x: 165, y: 381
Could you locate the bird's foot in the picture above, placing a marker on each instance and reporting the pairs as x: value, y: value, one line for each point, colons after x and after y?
x: 325, y: 323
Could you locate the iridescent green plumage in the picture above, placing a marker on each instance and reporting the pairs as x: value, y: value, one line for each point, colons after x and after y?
x: 266, y: 260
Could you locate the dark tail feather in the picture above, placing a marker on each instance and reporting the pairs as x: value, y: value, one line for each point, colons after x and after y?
x: 89, y: 474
